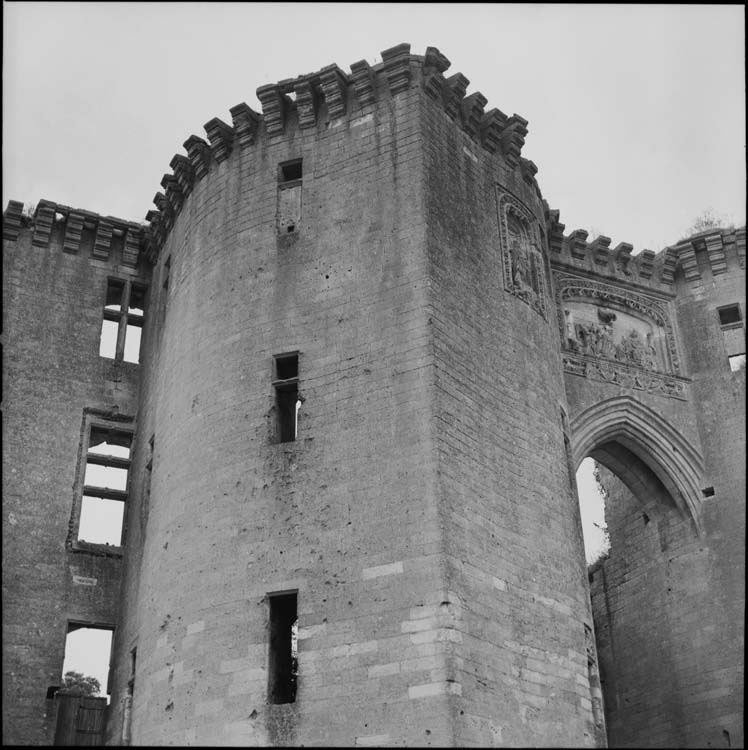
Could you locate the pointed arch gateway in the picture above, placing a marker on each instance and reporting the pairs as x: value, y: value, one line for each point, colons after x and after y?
x: 621, y: 431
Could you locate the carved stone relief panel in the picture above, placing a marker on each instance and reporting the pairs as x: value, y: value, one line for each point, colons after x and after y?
x: 617, y: 335
x: 522, y: 259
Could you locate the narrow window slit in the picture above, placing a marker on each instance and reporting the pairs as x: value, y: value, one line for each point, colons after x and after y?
x: 729, y: 314
x: 283, y: 654
x: 287, y: 399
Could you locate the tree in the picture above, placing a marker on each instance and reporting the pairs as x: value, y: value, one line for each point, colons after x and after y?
x: 76, y: 683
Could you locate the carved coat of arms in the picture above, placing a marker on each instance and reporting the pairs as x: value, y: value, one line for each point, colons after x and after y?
x: 524, y: 274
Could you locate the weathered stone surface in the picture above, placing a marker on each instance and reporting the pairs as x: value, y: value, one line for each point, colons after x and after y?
x: 456, y: 357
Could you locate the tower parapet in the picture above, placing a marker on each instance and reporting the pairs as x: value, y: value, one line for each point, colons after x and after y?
x: 331, y: 97
x: 715, y: 249
x: 78, y: 228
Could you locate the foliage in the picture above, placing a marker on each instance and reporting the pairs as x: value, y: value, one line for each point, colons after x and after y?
x: 708, y: 219
x: 601, y: 488
x: 602, y: 549
x: 76, y: 683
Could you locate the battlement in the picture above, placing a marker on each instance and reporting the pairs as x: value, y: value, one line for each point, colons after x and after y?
x: 73, y: 223
x: 719, y: 249
x: 327, y: 97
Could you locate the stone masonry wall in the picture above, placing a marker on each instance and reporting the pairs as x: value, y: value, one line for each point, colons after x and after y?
x: 52, y: 312
x: 668, y: 602
x: 517, y: 599
x: 346, y: 514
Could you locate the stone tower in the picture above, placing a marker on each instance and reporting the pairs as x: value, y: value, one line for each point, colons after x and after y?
x: 371, y: 362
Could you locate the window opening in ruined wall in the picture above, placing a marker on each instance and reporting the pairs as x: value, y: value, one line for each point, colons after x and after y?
x: 289, y: 196
x: 88, y: 652
x: 283, y: 661
x: 733, y: 333
x: 105, y: 483
x: 122, y: 321
x: 287, y: 401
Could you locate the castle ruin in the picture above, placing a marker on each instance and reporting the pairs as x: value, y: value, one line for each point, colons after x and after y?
x: 372, y: 359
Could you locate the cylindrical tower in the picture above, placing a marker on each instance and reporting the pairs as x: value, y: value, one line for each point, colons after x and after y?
x: 356, y: 523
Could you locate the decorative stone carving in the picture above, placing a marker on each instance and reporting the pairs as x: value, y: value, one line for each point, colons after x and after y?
x: 522, y: 260
x: 618, y: 336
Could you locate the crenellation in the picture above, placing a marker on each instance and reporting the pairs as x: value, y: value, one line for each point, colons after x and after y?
x: 433, y: 58
x: 529, y: 170
x: 334, y: 83
x: 666, y: 260
x: 160, y: 202
x: 396, y: 61
x: 472, y: 113
x: 599, y: 250
x: 173, y: 192
x: 362, y: 79
x: 73, y: 232
x: 246, y: 124
x: 221, y: 137
x: 306, y: 103
x: 513, y: 139
x: 433, y: 84
x: 12, y: 220
x: 685, y: 255
x: 131, y: 248
x: 43, y: 222
x: 275, y: 106
x: 454, y: 92
x: 198, y: 152
x: 103, y: 240
x: 555, y: 230
x: 577, y: 244
x: 715, y: 250
x: 491, y: 127
x: 184, y: 173
x: 622, y: 257
x: 645, y: 263
x: 740, y: 246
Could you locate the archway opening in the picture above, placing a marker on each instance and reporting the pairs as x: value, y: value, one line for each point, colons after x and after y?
x: 634, y: 530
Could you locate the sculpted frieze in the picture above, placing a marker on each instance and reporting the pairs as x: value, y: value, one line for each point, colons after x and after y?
x: 617, y: 335
x: 522, y: 259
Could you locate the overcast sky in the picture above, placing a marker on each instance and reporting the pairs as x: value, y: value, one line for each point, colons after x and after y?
x: 636, y: 113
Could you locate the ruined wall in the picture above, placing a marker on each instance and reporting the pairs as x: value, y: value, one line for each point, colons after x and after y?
x: 55, y: 272
x: 458, y: 355
x: 668, y: 601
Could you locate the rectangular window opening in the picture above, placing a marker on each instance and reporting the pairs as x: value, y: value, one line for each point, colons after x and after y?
x: 105, y: 483
x: 133, y: 333
x: 136, y: 303
x: 287, y: 396
x: 123, y: 319
x: 290, y: 170
x: 115, y: 292
x: 288, y: 405
x: 101, y: 521
x: 85, y: 669
x: 283, y: 653
x: 286, y: 366
x: 108, y: 338
x: 729, y: 315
